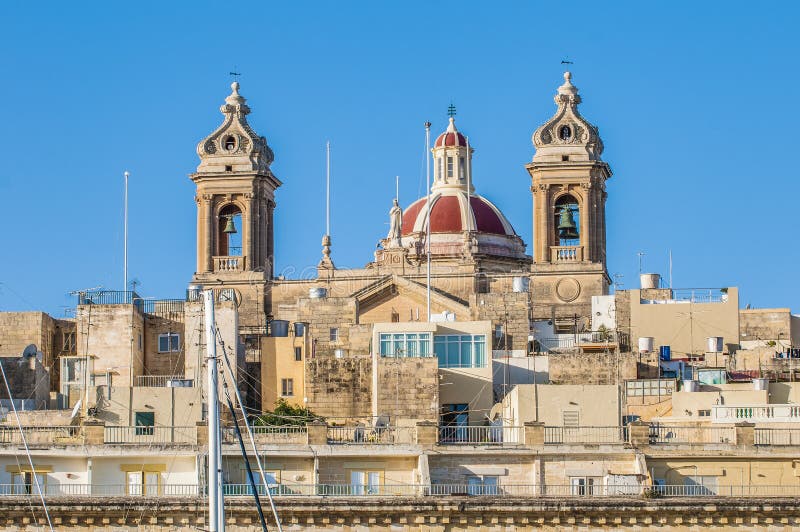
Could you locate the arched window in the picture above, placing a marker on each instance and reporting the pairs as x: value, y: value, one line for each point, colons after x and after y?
x: 229, y: 143
x: 566, y: 215
x: 230, y: 231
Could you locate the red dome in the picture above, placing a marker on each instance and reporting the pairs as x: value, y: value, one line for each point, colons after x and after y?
x: 448, y: 216
x: 450, y: 139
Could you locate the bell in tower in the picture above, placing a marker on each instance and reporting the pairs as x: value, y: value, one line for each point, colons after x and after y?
x: 567, y: 230
x: 568, y: 179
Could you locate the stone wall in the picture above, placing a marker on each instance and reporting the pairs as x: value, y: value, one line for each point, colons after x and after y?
x: 765, y: 324
x: 592, y: 368
x: 339, y: 387
x: 114, y: 335
x: 20, y: 329
x: 512, y: 469
x: 407, y: 388
x: 325, y: 314
x: 510, y: 311
x: 413, y: 514
x: 169, y: 363
x: 26, y: 383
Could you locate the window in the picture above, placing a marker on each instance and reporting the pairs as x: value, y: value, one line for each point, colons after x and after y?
x: 585, y: 485
x: 365, y: 482
x: 649, y: 387
x: 142, y: 482
x: 145, y: 423
x: 449, y: 167
x: 461, y: 168
x: 483, y: 485
x: 564, y: 158
x: 498, y: 331
x: 440, y: 173
x: 230, y: 143
x: 403, y: 345
x: 454, y: 420
x: 704, y: 413
x: 460, y: 351
x: 24, y: 482
x: 169, y: 343
x: 287, y: 387
x: 334, y: 334
x: 298, y: 354
x: 228, y: 168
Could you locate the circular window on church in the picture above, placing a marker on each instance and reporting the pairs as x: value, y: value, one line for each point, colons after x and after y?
x: 565, y: 133
x: 229, y: 143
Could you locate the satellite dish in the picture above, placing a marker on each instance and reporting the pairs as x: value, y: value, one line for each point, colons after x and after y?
x: 76, y: 409
x: 30, y: 351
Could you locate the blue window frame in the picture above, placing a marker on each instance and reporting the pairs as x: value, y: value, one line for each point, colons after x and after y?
x: 460, y: 351
x: 405, y: 345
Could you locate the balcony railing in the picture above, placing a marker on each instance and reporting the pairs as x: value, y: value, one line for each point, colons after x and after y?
x: 579, y: 435
x: 756, y: 413
x: 421, y: 490
x: 231, y: 263
x: 150, y: 435
x: 107, y: 297
x: 161, y: 381
x: 482, y: 435
x: 581, y: 339
x: 767, y: 436
x: 566, y: 253
x: 687, y: 434
x: 42, y: 435
x: 370, y: 435
x: 280, y: 435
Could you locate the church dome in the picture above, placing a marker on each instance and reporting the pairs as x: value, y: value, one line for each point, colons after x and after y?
x: 453, y: 212
x: 463, y: 225
x: 451, y: 137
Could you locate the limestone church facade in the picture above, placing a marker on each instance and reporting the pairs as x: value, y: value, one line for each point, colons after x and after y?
x: 480, y: 268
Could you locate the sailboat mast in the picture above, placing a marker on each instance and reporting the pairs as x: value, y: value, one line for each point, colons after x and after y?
x: 216, y: 512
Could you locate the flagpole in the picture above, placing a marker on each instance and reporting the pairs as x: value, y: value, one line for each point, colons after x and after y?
x: 428, y: 235
x: 328, y: 188
x: 125, y: 238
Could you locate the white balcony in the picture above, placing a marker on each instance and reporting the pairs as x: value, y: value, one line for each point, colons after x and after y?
x: 777, y: 413
x: 566, y: 253
x: 229, y: 263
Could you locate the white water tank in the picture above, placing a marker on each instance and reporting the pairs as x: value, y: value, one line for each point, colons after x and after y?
x: 520, y: 284
x: 646, y: 344
x: 649, y: 280
x: 690, y: 385
x: 317, y: 293
x: 714, y: 344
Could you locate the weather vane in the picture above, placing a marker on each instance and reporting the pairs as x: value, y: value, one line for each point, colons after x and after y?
x: 235, y: 74
x: 566, y: 62
x: 451, y: 111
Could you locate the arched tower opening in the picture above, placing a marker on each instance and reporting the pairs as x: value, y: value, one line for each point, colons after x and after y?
x: 566, y: 221
x: 229, y: 231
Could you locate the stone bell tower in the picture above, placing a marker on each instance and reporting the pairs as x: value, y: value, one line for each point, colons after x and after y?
x: 569, y: 195
x: 235, y: 209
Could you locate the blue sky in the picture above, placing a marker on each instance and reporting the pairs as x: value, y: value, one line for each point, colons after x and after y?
x: 695, y: 103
